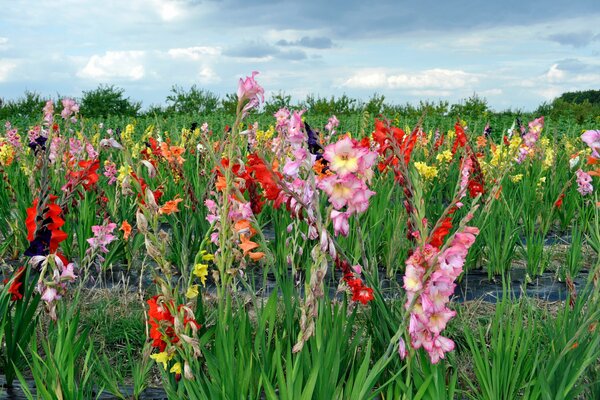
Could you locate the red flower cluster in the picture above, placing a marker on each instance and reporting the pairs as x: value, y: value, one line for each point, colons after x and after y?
x: 360, y: 292
x: 87, y: 175
x: 143, y: 185
x: 45, y: 238
x: 439, y: 234
x: 16, y: 289
x: 476, y: 183
x: 254, y: 174
x: 461, y: 138
x: 390, y: 137
x: 162, y: 323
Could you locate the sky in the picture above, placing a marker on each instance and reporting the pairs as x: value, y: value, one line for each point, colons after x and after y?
x: 516, y: 54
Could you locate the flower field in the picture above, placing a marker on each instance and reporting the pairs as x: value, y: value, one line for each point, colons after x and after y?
x: 292, y: 256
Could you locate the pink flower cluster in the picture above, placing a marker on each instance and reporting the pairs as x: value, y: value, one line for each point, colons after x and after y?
x: 584, y: 182
x: 592, y: 139
x: 70, y: 108
x: 110, y: 171
x: 249, y: 90
x: 429, y: 284
x: 332, y: 123
x: 350, y: 165
x: 12, y: 136
x: 102, y: 237
x: 530, y: 138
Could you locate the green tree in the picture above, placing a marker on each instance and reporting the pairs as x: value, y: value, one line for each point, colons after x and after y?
x: 193, y: 101
x: 27, y: 107
x: 108, y: 100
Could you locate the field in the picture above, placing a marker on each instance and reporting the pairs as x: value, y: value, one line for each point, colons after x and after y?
x: 297, y: 256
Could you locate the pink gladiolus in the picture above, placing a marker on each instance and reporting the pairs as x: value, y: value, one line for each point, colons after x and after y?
x: 50, y: 295
x: 343, y: 157
x: 584, y: 182
x: 250, y: 90
x: 402, y: 349
x: 439, y: 346
x: 340, y: 222
x: 102, y: 237
x: 592, y: 139
x: 70, y: 107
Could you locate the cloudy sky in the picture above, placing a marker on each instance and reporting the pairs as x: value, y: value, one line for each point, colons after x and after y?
x: 514, y: 53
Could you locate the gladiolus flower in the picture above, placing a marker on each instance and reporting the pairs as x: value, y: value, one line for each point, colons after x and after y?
x: 170, y: 207
x: 584, y: 182
x: 126, y: 228
x: 592, y: 139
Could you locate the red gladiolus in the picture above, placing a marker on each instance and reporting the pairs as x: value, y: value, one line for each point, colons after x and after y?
x: 461, y: 138
x: 159, y: 317
x: 440, y: 233
x: 52, y: 220
x: 16, y: 289
x: 558, y: 203
x: 87, y: 175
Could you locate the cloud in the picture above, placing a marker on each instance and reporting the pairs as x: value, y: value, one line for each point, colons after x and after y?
x: 3, y: 43
x: 437, y: 78
x: 6, y: 67
x: 208, y: 76
x: 194, y: 53
x: 264, y: 51
x: 389, y: 18
x: 575, y: 39
x: 491, y: 92
x: 251, y: 50
x: 293, y: 55
x: 118, y: 65
x: 308, y: 42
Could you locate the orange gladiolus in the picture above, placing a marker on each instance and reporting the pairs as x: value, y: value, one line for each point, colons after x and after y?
x: 247, y: 245
x: 170, y: 207
x: 126, y: 228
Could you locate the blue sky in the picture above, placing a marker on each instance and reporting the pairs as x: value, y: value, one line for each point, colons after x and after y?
x: 514, y: 53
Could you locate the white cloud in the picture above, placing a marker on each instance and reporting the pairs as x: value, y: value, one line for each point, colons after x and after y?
x: 437, y: 78
x: 3, y: 43
x: 207, y: 76
x: 194, y: 53
x: 550, y: 93
x: 127, y: 65
x: 491, y: 92
x: 555, y: 74
x: 168, y: 10
x: 6, y: 67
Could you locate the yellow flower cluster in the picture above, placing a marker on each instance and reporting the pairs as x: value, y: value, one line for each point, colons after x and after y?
x: 263, y: 136
x: 444, y: 156
x: 516, y: 178
x: 124, y: 172
x: 127, y: 136
x: 425, y: 171
x: 7, y: 154
x: 515, y: 143
x: 136, y: 149
x: 500, y: 157
x: 569, y: 148
x: 549, y: 158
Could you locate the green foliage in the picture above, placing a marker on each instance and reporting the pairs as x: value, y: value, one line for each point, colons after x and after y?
x: 277, y: 101
x: 472, y: 107
x: 193, y: 101
x: 64, y: 370
x: 27, y: 107
x: 229, y: 103
x: 342, y: 105
x: 107, y: 100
